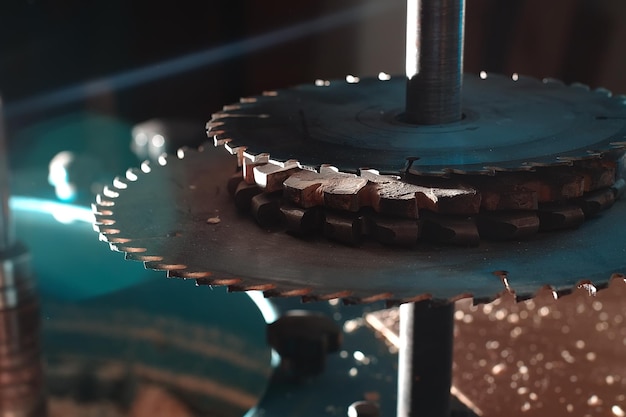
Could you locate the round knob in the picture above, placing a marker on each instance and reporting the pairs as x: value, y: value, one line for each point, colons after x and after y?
x: 303, y: 339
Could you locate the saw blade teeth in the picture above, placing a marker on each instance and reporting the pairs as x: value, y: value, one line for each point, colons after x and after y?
x: 322, y: 83
x: 247, y: 100
x: 101, y: 220
x: 249, y: 286
x: 618, y: 277
x: 119, y: 183
x: 250, y: 161
x: 367, y: 299
x: 213, y: 124
x: 182, y: 152
x: 113, y: 239
x: 558, y: 161
x: 270, y: 176
x: 112, y: 246
x: 132, y: 174
x: 162, y: 159
x: 104, y: 202
x: 220, y: 138
x: 146, y: 167
x: 107, y: 191
x: 106, y: 230
x: 620, y: 98
x: 328, y: 169
x: 101, y: 210
x: 235, y: 148
x: 127, y: 248
x: 567, y: 160
x: 461, y: 297
x: 284, y: 292
x: 523, y: 80
x: 588, y: 287
x: 258, y: 158
x: 337, y: 295
x: 563, y: 292
x: 164, y: 266
x: 486, y: 299
x: 186, y: 274
x: 619, y: 144
x: 415, y: 299
x: 459, y: 171
x: 227, y: 108
x: 580, y: 86
x: 603, y: 92
x: 495, y: 170
x: 546, y: 292
x: 218, y: 281
x: 225, y: 112
x: 142, y: 257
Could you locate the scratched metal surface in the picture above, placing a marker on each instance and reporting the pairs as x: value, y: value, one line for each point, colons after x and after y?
x: 160, y: 218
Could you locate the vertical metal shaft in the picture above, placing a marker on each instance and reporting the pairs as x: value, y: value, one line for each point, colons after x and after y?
x: 425, y: 360
x: 434, y: 61
x: 21, y: 369
x: 6, y: 231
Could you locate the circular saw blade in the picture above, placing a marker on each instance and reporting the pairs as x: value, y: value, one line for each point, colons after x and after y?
x: 178, y: 216
x: 507, y: 125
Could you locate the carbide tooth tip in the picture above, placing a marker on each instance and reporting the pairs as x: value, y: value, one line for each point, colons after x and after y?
x: 101, y: 201
x: 103, y: 221
x: 415, y: 299
x: 277, y: 292
x: 461, y: 297
x: 109, y: 192
x: 119, y: 184
x: 129, y: 249
x: 142, y: 257
x: 132, y: 174
x: 163, y: 266
x: 588, y: 287
x: 114, y: 239
x: 188, y: 274
x: 244, y: 286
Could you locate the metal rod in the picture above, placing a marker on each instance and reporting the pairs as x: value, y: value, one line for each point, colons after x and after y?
x: 21, y: 369
x: 425, y: 359
x: 434, y: 61
x: 6, y: 226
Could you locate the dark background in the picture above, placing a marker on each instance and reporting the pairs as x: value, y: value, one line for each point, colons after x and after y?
x: 48, y: 45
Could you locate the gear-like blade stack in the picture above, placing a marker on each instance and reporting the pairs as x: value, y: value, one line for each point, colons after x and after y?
x: 528, y: 156
x: 333, y: 191
x: 178, y: 216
